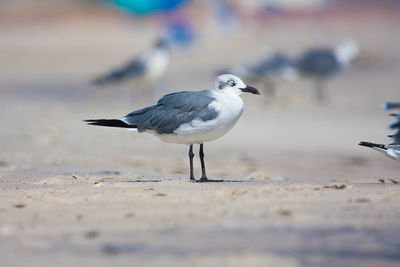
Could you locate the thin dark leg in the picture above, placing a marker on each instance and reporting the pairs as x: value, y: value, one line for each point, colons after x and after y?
x: 191, y: 155
x: 320, y: 91
x: 203, y: 168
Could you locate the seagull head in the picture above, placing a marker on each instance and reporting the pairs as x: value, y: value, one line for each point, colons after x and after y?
x: 347, y: 51
x: 230, y: 84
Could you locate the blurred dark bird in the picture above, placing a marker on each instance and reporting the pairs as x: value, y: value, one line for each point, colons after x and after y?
x: 190, y: 117
x: 391, y: 105
x: 322, y: 63
x: 391, y: 150
x: 143, y: 70
x: 395, y: 126
x: 271, y: 69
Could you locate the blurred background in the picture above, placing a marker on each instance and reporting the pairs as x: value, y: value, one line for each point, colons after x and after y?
x: 52, y: 51
x: 325, y: 69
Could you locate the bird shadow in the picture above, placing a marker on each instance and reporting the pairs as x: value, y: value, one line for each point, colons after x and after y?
x: 224, y: 181
x: 141, y: 181
x: 160, y: 180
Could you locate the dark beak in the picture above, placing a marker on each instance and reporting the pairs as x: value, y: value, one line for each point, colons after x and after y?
x: 249, y: 89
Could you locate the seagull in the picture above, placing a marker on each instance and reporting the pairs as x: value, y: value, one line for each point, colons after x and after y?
x: 273, y: 67
x: 190, y: 117
x: 143, y: 70
x: 321, y: 63
x: 391, y: 150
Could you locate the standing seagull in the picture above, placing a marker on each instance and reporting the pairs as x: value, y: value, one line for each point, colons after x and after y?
x: 142, y: 70
x: 190, y: 117
x: 321, y: 63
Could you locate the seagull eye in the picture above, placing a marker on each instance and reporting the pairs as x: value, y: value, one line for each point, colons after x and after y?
x: 231, y: 83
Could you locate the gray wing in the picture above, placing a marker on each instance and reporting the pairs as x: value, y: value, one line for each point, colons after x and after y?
x: 172, y: 111
x: 271, y: 65
x: 131, y: 70
x: 318, y: 62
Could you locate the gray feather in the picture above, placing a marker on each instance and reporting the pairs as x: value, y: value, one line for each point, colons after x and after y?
x: 131, y: 70
x: 318, y: 62
x: 172, y: 111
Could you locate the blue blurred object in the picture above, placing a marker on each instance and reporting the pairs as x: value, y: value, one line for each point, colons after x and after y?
x: 395, y: 126
x: 391, y: 105
x: 145, y: 7
x: 181, y: 32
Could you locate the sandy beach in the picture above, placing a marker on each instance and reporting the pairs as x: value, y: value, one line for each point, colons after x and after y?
x: 298, y: 190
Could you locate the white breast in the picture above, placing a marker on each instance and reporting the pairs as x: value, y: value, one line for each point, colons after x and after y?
x: 229, y: 108
x: 158, y: 63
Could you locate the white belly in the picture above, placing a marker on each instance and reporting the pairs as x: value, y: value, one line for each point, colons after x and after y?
x: 230, y: 108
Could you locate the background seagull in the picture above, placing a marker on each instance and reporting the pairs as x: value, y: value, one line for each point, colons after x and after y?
x: 142, y: 70
x: 391, y: 105
x: 268, y: 71
x: 395, y: 126
x: 190, y: 117
x: 321, y: 63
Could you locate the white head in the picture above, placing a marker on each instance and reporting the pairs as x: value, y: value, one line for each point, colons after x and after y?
x: 347, y: 51
x: 230, y: 84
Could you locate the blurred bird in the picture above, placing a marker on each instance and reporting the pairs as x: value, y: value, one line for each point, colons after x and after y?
x: 321, y: 63
x: 143, y: 70
x: 391, y: 150
x: 190, y: 117
x: 268, y: 71
x: 391, y: 105
x: 395, y: 126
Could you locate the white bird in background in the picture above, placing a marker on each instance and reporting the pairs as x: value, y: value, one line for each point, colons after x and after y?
x: 190, y: 117
x: 321, y: 63
x: 271, y: 69
x: 143, y: 70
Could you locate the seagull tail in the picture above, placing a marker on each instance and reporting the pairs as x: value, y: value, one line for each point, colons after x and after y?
x: 110, y: 123
x: 372, y: 145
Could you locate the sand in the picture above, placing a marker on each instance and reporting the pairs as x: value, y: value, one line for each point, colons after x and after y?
x: 299, y: 191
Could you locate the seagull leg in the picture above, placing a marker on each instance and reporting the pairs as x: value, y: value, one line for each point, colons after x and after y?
x: 191, y: 155
x: 320, y: 92
x: 203, y: 166
x: 204, y: 178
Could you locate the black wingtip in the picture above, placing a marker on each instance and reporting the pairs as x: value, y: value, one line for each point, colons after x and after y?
x: 364, y: 144
x: 109, y: 123
x: 371, y: 145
